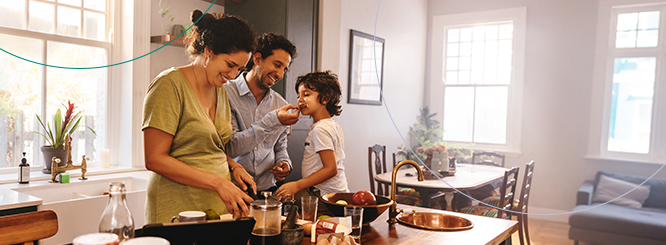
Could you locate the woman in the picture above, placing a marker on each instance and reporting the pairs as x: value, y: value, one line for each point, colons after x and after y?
x: 186, y: 123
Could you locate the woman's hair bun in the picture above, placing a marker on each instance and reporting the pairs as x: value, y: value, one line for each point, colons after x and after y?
x: 196, y: 14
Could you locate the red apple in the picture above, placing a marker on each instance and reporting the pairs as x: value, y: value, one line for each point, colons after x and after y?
x: 364, y: 198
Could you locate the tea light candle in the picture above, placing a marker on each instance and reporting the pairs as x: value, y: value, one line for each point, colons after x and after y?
x: 105, y: 154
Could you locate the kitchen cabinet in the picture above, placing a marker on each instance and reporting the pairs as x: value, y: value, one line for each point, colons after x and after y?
x: 298, y: 21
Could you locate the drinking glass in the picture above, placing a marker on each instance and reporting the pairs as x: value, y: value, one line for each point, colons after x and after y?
x: 309, y: 208
x: 356, y: 214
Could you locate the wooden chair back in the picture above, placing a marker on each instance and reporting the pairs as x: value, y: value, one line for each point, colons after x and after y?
x: 522, y: 203
x: 27, y: 227
x: 397, y: 154
x: 379, y: 163
x: 507, y: 192
x: 488, y: 158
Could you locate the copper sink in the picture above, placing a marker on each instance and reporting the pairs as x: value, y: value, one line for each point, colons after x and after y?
x: 434, y: 221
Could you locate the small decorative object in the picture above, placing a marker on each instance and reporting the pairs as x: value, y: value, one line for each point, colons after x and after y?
x: 56, y: 135
x: 177, y: 30
x: 165, y: 12
x: 366, y: 66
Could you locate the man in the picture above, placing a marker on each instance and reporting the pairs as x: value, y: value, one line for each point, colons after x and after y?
x: 259, y: 115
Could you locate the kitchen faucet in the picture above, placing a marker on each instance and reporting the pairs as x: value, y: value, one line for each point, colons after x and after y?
x: 54, y: 162
x: 393, y: 210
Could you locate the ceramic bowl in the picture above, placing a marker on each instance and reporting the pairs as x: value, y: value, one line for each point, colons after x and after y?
x: 370, y: 212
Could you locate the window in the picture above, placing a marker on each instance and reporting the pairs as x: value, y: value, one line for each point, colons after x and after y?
x: 632, y: 105
x: 477, y: 77
x: 69, y: 33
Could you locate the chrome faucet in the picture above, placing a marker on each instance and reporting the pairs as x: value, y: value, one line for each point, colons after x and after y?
x: 393, y: 210
x: 54, y: 162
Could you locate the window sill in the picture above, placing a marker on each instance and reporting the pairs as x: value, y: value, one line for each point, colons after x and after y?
x: 92, y: 171
x: 624, y: 160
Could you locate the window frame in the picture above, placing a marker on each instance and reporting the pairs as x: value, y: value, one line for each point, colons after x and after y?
x: 45, y: 38
x: 515, y: 93
x: 606, y: 53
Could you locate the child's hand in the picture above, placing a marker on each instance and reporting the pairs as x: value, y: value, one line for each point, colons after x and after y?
x: 280, y: 170
x: 285, y: 117
x: 288, y: 188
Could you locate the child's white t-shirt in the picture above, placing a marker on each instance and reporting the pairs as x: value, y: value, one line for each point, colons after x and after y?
x: 325, y: 134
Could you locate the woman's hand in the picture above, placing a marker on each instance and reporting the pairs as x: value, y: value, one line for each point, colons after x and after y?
x: 241, y: 176
x: 288, y: 188
x: 235, y: 199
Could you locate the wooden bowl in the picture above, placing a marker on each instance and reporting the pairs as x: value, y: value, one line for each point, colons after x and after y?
x: 370, y: 212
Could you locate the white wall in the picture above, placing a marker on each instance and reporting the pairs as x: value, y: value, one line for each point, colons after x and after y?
x: 404, y: 63
x: 559, y: 63
x: 172, y: 56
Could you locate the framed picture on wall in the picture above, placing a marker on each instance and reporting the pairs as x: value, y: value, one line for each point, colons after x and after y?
x: 366, y: 68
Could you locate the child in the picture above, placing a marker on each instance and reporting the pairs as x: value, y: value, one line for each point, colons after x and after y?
x: 318, y: 96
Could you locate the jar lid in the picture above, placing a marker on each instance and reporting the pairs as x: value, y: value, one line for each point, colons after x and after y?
x: 266, y: 204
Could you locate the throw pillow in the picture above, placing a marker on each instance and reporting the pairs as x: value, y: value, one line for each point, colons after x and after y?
x: 609, y: 188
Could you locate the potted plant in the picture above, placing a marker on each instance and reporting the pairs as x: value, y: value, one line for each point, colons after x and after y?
x: 57, y: 135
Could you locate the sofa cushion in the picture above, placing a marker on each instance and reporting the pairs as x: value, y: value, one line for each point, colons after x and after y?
x: 657, y: 197
x: 620, y: 192
x: 641, y: 222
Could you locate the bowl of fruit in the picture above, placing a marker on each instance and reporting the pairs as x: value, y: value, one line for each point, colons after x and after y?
x: 373, y: 206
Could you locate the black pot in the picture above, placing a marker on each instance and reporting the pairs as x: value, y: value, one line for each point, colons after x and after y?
x: 49, y: 152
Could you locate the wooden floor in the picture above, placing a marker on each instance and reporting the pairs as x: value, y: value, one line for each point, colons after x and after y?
x: 547, y: 233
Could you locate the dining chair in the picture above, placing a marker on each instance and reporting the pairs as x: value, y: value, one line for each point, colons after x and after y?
x: 28, y: 227
x: 504, y: 202
x: 523, y: 200
x: 379, y: 163
x: 488, y: 158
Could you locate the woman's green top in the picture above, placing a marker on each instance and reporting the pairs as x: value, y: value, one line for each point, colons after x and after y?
x: 172, y: 106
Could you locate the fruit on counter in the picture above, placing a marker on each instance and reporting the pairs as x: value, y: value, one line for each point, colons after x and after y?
x: 364, y: 198
x: 323, y: 217
x: 342, y: 202
x: 276, y: 168
x: 211, y: 214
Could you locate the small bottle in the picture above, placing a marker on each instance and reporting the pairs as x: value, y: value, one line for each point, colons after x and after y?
x: 117, y: 217
x: 24, y: 171
x: 287, y: 202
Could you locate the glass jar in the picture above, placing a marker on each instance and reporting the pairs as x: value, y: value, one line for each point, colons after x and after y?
x: 267, y: 213
x: 287, y: 202
x: 117, y: 217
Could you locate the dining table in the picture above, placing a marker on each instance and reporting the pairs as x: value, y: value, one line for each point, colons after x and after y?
x: 486, y: 230
x: 467, y: 177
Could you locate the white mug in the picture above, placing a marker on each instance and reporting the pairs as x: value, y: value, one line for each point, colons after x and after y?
x: 186, y: 216
x: 147, y: 240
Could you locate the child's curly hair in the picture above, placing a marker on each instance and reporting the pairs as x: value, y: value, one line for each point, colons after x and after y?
x: 327, y: 85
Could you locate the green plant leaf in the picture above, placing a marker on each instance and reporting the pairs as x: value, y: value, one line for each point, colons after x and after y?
x: 57, y: 123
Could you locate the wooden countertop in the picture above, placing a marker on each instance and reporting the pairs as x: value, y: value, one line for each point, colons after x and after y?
x: 485, y: 231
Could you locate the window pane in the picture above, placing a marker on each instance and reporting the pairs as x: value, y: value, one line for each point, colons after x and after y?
x: 647, y: 38
x: 631, y: 105
x: 465, y: 63
x: 458, y: 113
x: 42, y: 17
x: 479, y: 33
x: 648, y: 20
x: 76, y: 3
x: 69, y: 21
x: 466, y: 34
x: 20, y: 96
x: 506, y: 31
x: 465, y: 49
x: 452, y: 49
x: 451, y: 77
x: 452, y: 63
x: 453, y: 35
x: 491, y: 32
x: 627, y: 22
x: 86, y: 88
x: 13, y: 13
x: 490, y: 115
x: 95, y: 4
x: 625, y: 39
x: 463, y: 77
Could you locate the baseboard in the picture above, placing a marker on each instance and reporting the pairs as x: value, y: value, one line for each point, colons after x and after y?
x: 548, y: 214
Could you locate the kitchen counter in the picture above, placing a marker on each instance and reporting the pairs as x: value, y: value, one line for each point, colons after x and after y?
x: 12, y: 199
x: 485, y: 231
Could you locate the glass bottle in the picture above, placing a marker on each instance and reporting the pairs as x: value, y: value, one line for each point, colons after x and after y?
x: 24, y: 171
x: 287, y: 203
x: 117, y: 217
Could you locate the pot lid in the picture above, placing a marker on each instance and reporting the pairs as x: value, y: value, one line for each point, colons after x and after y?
x: 266, y: 204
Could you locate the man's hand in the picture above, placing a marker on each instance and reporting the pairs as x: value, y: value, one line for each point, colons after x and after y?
x: 280, y: 170
x: 285, y: 117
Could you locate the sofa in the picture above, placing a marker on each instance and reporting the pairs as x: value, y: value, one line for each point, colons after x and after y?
x: 594, y: 223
